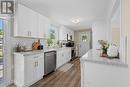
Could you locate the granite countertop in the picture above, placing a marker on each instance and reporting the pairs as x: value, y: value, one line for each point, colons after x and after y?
x: 40, y: 51
x: 30, y: 52
x: 94, y: 56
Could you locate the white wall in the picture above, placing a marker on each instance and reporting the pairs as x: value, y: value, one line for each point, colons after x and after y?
x: 99, y: 32
x: 116, y: 36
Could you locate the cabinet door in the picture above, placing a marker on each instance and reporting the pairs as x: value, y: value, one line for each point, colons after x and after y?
x: 59, y: 60
x: 43, y: 26
x: 26, y: 22
x: 62, y: 33
x: 21, y: 21
x: 64, y: 56
x: 47, y: 26
x: 29, y: 69
x: 38, y: 68
x: 33, y: 23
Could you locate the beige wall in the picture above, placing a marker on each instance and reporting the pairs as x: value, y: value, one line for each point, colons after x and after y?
x: 126, y: 28
x: 116, y: 36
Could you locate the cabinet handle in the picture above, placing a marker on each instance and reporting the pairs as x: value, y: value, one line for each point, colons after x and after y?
x: 34, y: 64
x: 30, y: 33
x: 37, y: 64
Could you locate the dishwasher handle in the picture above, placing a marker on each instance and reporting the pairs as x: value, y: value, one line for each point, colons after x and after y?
x: 50, y: 54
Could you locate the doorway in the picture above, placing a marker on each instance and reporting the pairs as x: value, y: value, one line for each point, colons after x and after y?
x: 84, y: 42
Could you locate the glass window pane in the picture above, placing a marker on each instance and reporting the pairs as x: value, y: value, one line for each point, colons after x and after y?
x: 1, y: 51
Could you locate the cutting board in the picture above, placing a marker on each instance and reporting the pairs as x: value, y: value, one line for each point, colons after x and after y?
x: 35, y: 45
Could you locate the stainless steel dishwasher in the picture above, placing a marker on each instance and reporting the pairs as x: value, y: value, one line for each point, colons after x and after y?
x: 49, y: 62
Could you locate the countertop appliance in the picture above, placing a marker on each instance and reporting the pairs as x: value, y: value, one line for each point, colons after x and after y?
x: 49, y: 62
x: 40, y: 47
x: 70, y: 44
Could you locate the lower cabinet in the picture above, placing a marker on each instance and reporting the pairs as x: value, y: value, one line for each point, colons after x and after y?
x: 28, y: 69
x: 63, y: 56
x: 59, y: 59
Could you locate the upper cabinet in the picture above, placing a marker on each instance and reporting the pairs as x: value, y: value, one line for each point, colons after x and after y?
x: 28, y: 23
x: 21, y: 27
x: 63, y: 31
x: 43, y: 26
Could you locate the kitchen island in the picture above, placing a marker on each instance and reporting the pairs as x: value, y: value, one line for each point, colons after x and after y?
x: 99, y: 71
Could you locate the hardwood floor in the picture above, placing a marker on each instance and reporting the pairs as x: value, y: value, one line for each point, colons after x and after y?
x: 71, y: 78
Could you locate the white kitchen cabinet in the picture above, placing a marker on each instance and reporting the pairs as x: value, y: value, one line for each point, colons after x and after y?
x: 28, y: 23
x: 38, y: 66
x: 71, y: 33
x: 63, y: 56
x: 21, y: 21
x: 28, y: 69
x: 68, y: 54
x: 43, y: 26
x: 63, y: 31
x: 33, y: 23
x: 59, y: 59
x: 25, y: 22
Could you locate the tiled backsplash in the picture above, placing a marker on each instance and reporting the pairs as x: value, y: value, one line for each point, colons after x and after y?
x: 26, y: 42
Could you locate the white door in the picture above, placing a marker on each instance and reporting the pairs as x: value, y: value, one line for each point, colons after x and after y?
x: 84, y: 44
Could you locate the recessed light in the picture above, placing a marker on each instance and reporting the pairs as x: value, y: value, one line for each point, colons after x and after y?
x: 75, y: 21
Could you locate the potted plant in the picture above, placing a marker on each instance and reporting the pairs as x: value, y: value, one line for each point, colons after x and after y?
x: 104, y: 47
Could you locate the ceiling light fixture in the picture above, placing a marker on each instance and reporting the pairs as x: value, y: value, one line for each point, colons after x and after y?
x: 75, y: 21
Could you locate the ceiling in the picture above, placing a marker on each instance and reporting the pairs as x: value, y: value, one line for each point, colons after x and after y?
x: 63, y: 11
